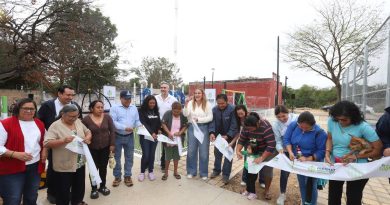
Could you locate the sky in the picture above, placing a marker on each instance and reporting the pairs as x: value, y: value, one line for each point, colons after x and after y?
x: 235, y: 37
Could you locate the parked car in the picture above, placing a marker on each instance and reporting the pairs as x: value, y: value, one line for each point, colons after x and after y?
x: 326, y: 108
x: 369, y: 109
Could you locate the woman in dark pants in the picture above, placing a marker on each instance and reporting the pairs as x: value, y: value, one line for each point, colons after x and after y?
x: 68, y: 166
x: 150, y: 118
x: 345, y: 123
x: 103, y: 142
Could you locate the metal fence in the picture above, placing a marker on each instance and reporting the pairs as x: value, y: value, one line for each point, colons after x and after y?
x: 367, y: 80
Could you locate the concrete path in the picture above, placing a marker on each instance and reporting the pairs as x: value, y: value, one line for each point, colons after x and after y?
x: 171, y: 192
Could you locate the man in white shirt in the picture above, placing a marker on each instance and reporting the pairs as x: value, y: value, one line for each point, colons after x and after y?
x: 164, y: 102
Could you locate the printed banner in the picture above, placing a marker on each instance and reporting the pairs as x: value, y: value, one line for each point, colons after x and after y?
x: 109, y: 92
x: 198, y: 133
x: 223, y: 146
x: 337, y: 171
x: 253, y: 168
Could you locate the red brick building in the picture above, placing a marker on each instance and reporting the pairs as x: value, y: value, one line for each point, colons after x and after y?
x: 259, y: 93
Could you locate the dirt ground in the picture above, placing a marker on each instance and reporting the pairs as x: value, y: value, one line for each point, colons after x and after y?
x: 292, y: 195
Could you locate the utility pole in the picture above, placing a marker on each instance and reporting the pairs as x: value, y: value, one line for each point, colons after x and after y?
x: 285, y: 90
x: 212, y: 77
x: 204, y: 83
x: 277, y: 75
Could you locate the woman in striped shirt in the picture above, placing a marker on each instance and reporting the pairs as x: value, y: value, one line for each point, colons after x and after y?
x: 259, y: 133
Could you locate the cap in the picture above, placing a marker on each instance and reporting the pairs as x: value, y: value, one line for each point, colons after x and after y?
x: 126, y: 94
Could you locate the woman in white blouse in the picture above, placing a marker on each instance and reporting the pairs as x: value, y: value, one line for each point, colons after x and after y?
x: 198, y: 111
x: 22, y: 155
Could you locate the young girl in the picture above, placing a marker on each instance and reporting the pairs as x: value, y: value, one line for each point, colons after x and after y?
x: 252, y: 152
x: 174, y: 124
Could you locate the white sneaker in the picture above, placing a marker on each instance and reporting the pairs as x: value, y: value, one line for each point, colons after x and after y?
x: 252, y: 196
x: 204, y: 178
x: 243, y: 183
x: 262, y: 185
x: 281, y: 199
x: 189, y: 176
x: 245, y: 193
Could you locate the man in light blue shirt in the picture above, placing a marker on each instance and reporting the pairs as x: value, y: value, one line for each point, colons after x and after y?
x: 126, y: 118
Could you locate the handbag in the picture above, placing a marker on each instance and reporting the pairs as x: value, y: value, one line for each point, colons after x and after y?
x: 111, y: 161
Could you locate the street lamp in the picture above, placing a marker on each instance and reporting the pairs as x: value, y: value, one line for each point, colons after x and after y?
x: 212, y: 77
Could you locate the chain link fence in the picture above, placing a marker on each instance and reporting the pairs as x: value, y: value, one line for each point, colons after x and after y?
x: 367, y: 79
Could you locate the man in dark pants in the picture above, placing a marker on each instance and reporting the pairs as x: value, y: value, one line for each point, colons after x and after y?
x: 383, y: 131
x: 47, y: 113
x: 224, y: 123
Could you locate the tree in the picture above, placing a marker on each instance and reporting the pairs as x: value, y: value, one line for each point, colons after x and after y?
x: 310, y: 96
x: 156, y: 70
x: 57, y: 42
x: 88, y: 50
x: 333, y: 40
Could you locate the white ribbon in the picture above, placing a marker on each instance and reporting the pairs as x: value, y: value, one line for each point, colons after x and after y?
x: 143, y: 131
x: 198, y: 133
x: 179, y: 146
x: 163, y: 138
x: 79, y: 147
x: 322, y: 170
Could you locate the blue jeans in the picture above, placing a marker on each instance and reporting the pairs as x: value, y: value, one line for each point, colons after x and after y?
x: 148, y: 151
x: 195, y: 148
x: 284, y: 178
x: 302, y: 180
x: 283, y: 181
x: 227, y: 165
x: 127, y: 143
x: 13, y: 186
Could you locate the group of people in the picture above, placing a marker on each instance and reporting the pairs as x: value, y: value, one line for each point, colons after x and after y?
x: 31, y: 137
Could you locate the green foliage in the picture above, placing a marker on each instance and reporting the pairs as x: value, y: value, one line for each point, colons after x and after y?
x: 310, y: 96
x: 186, y: 89
x: 57, y: 42
x: 334, y: 39
x: 156, y: 70
x: 136, y: 81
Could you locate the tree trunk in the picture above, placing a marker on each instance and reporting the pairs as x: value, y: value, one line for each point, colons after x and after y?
x: 338, y: 91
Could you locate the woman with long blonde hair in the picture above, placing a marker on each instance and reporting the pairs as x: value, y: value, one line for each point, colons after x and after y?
x: 198, y: 111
